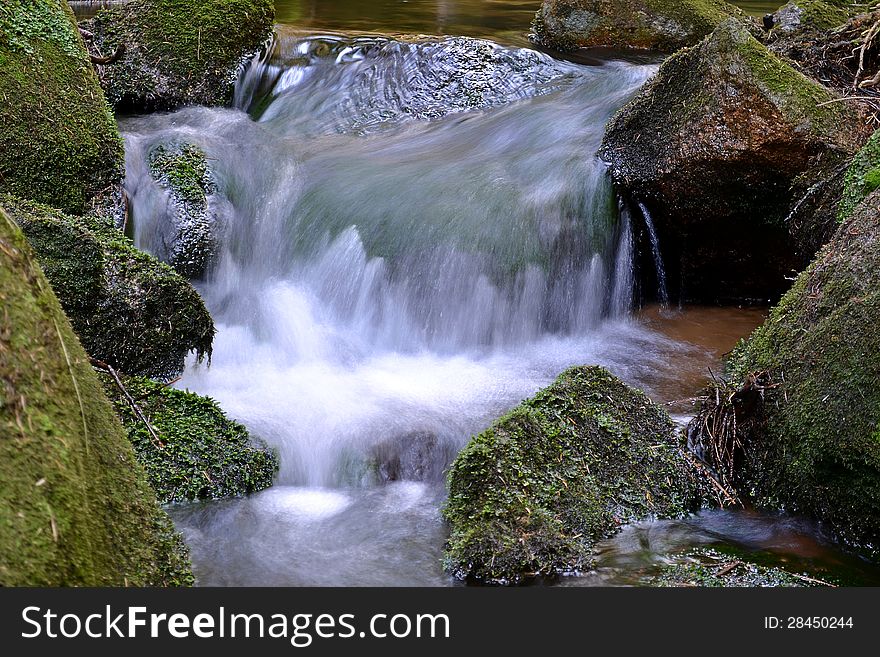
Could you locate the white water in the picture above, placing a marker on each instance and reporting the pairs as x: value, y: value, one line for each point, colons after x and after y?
x: 399, y: 268
x: 659, y: 267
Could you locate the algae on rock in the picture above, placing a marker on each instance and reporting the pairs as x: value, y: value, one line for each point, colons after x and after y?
x: 75, y: 506
x: 203, y: 455
x: 664, y: 25
x: 178, y: 52
x: 531, y: 494
x: 182, y: 170
x: 127, y: 308
x: 58, y: 143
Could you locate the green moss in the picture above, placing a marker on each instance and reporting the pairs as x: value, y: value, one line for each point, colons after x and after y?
x: 59, y: 143
x: 531, y: 494
x: 706, y: 567
x: 182, y: 169
x: 75, y: 506
x: 179, y: 52
x: 824, y: 14
x: 128, y: 309
x: 664, y: 25
x: 862, y: 177
x: 204, y: 454
x: 819, y: 452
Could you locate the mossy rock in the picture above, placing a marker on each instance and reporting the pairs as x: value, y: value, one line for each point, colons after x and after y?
x: 818, y: 452
x: 128, y: 309
x: 178, y: 52
x: 182, y: 170
x: 862, y: 177
x: 716, y: 146
x: 202, y: 455
x: 816, y: 14
x: 532, y: 494
x: 75, y: 506
x: 59, y: 143
x: 663, y: 25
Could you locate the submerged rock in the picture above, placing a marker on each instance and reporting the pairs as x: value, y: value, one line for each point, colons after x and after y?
x: 178, y: 52
x: 202, y: 455
x: 127, y: 308
x: 816, y: 449
x: 59, y: 143
x: 532, y: 494
x: 75, y: 506
x: 664, y: 25
x: 706, y: 567
x: 182, y: 170
x: 713, y: 147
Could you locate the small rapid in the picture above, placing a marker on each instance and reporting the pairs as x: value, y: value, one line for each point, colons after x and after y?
x: 415, y: 235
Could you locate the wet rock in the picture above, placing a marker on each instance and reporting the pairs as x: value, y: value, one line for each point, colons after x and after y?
x: 203, y: 454
x: 816, y: 449
x: 127, y: 308
x: 664, y: 25
x: 177, y: 52
x: 194, y: 221
x: 75, y: 506
x: 713, y: 147
x: 532, y: 494
x: 59, y: 143
x: 411, y: 457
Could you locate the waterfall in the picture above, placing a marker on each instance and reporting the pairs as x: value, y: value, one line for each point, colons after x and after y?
x: 416, y: 235
x: 662, y: 290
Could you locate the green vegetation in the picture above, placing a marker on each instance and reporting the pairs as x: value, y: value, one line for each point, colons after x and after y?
x: 182, y: 169
x: 203, y: 454
x: 59, y: 143
x: 75, y: 506
x: 127, y: 308
x: 179, y: 52
x: 706, y: 567
x: 862, y: 177
x: 664, y: 25
x: 818, y: 14
x: 818, y: 452
x: 531, y: 494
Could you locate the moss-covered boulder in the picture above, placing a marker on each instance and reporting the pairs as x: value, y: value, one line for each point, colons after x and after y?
x: 75, y: 506
x: 664, y: 25
x: 58, y: 142
x: 815, y: 14
x: 191, y: 239
x: 713, y: 146
x: 178, y: 52
x: 200, y: 453
x: 531, y: 494
x: 817, y: 450
x: 128, y: 309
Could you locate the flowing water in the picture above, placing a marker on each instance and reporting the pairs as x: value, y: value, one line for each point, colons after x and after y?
x: 416, y: 235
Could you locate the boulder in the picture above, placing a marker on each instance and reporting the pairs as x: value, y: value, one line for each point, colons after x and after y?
x: 191, y: 450
x: 75, y: 506
x: 128, y: 309
x: 815, y: 14
x: 59, y: 143
x: 715, y: 147
x: 177, y: 52
x: 663, y: 25
x: 816, y: 448
x: 194, y: 223
x: 532, y: 494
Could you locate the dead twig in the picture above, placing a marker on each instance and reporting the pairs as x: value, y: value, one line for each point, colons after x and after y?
x: 101, y: 365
